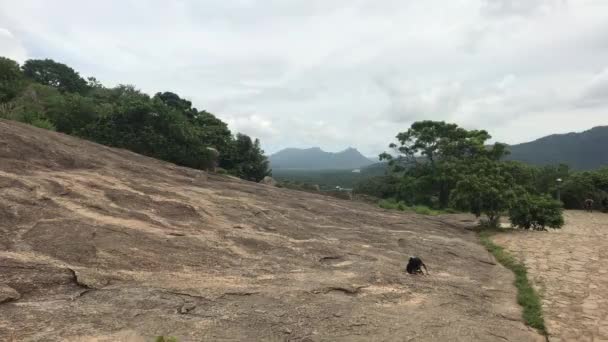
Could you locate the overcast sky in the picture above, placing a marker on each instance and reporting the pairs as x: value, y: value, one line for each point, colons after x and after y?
x: 339, y: 73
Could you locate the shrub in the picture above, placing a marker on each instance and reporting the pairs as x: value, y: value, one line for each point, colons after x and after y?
x: 43, y: 123
x: 393, y: 204
x: 536, y: 212
x: 390, y: 203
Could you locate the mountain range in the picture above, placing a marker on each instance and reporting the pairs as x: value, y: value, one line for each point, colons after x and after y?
x: 581, y: 151
x: 317, y: 159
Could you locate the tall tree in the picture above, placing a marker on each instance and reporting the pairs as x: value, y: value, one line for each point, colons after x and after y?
x: 247, y: 159
x: 11, y: 79
x: 54, y: 74
x: 437, y: 150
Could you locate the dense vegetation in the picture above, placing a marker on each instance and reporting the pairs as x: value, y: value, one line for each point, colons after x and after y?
x: 54, y: 96
x: 326, y: 179
x: 441, y: 166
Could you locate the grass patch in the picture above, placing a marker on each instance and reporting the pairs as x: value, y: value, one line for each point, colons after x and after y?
x: 393, y: 204
x: 527, y: 297
x: 165, y: 339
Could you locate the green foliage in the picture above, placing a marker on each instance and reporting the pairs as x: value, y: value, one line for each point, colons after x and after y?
x: 165, y: 126
x: 488, y: 190
x: 72, y: 112
x: 11, y: 79
x: 43, y: 123
x: 363, y: 182
x: 536, y: 212
x: 445, y: 150
x: 393, y: 204
x: 295, y: 185
x: 57, y: 75
x: 378, y: 186
x: 246, y: 159
x: 165, y: 339
x: 527, y: 296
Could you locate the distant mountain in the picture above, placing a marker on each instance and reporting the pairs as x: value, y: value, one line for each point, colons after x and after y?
x: 581, y: 151
x: 317, y: 159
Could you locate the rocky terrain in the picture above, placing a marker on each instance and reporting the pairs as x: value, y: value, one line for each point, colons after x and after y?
x: 101, y: 244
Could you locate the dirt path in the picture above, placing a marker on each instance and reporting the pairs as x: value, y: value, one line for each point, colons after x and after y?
x: 570, y: 268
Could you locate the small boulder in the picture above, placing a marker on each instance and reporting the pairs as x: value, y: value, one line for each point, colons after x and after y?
x: 186, y: 308
x: 8, y: 294
x: 269, y: 181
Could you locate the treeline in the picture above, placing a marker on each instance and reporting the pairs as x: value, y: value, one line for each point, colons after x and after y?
x: 441, y: 165
x: 573, y: 188
x: 51, y: 95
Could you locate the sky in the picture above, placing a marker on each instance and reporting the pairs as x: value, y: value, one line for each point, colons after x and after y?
x: 339, y: 73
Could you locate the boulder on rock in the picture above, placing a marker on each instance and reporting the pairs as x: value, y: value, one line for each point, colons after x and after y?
x: 8, y: 294
x: 269, y: 181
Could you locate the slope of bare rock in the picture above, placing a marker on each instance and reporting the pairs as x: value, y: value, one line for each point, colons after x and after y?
x: 103, y: 244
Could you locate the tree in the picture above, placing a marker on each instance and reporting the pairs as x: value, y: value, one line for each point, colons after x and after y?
x: 536, y: 212
x: 489, y: 190
x: 72, y: 112
x: 173, y: 100
x: 246, y: 159
x: 54, y: 74
x: 11, y: 79
x: 52, y: 95
x: 437, y: 150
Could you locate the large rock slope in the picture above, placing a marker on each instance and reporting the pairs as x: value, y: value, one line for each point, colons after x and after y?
x: 103, y: 244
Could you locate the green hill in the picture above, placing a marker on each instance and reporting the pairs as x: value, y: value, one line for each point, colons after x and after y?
x: 317, y: 159
x: 581, y: 151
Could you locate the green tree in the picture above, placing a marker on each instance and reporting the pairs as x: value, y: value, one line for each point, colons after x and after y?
x: 436, y: 151
x: 54, y: 74
x: 72, y: 112
x: 11, y: 79
x: 489, y: 190
x: 174, y: 101
x: 246, y: 159
x: 536, y: 212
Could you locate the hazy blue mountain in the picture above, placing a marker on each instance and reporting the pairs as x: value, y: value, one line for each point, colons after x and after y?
x: 582, y: 151
x: 317, y: 159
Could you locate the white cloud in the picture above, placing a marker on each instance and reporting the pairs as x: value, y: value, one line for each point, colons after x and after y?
x: 337, y: 73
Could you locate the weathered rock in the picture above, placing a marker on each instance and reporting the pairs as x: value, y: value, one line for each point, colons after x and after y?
x: 8, y: 294
x: 107, y: 261
x: 187, y: 308
x: 215, y: 158
x: 269, y: 181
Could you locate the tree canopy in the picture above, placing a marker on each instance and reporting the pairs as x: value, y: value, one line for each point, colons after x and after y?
x: 440, y: 164
x: 166, y: 126
x: 56, y: 75
x: 434, y: 154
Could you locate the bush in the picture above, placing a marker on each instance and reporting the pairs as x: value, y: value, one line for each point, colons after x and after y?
x: 393, y: 204
x: 390, y: 203
x: 43, y: 123
x: 166, y: 339
x: 536, y: 212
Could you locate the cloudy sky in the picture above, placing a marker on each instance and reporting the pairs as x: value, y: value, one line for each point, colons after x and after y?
x: 339, y: 73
